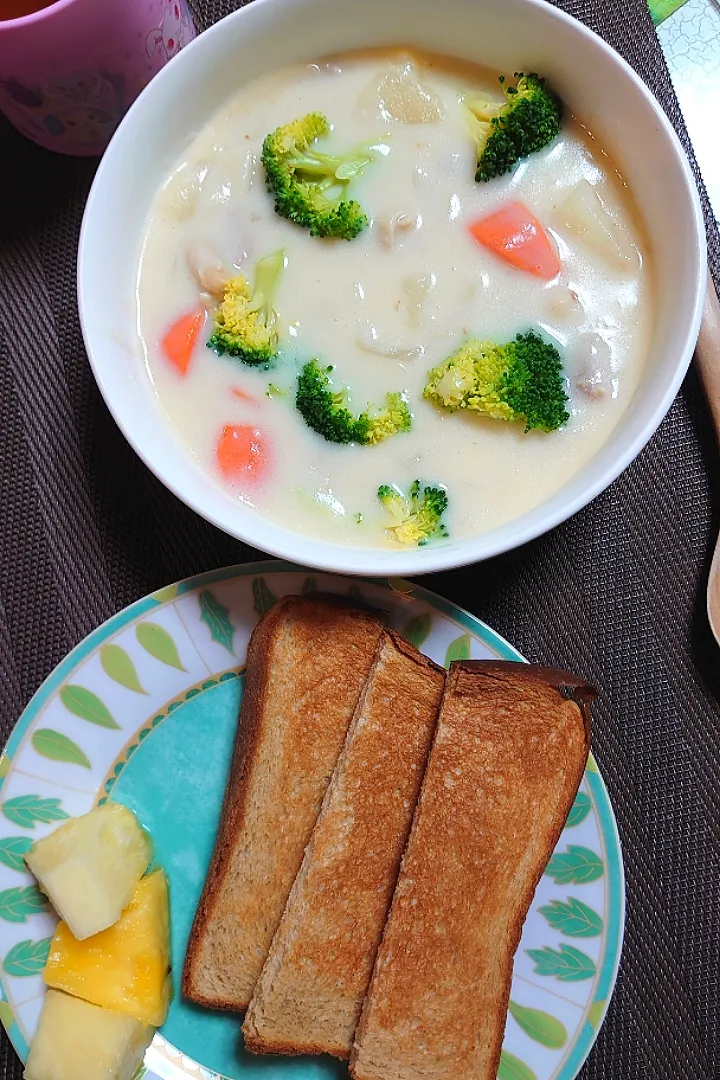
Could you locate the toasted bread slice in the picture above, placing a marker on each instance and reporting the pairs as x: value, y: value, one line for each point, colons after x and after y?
x: 307, y: 663
x: 508, y: 756
x: 310, y: 993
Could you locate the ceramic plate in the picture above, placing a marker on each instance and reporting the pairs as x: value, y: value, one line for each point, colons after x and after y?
x: 144, y: 712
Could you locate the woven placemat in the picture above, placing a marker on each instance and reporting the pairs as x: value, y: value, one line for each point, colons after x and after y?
x: 617, y: 593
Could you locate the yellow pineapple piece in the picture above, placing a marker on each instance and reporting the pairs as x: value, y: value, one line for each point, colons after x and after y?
x: 89, y: 867
x: 125, y: 967
x: 79, y: 1041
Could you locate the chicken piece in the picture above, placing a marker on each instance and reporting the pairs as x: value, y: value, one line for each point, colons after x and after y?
x: 564, y: 304
x: 208, y: 269
x: 594, y: 365
x: 394, y: 230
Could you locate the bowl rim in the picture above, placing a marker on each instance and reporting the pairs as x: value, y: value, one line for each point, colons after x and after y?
x: 257, y: 530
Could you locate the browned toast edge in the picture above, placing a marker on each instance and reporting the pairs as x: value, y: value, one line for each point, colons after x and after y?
x: 570, y: 687
x: 257, y: 682
x: 260, y: 1044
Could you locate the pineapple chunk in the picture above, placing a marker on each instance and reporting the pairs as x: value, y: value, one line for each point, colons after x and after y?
x: 79, y: 1041
x: 125, y: 967
x: 585, y: 216
x: 90, y: 866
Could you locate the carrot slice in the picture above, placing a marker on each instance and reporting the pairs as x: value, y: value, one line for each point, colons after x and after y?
x: 516, y: 235
x: 243, y: 453
x: 179, y: 341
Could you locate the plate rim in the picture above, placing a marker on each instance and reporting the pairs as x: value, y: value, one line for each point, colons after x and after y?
x: 587, y: 1033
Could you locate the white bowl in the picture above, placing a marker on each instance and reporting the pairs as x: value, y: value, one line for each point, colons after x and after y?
x: 509, y: 35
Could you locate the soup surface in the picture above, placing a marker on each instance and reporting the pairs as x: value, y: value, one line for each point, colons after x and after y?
x: 386, y: 307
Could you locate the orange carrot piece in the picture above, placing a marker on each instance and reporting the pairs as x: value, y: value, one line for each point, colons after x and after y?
x: 516, y: 235
x: 242, y: 395
x: 179, y: 341
x: 243, y: 453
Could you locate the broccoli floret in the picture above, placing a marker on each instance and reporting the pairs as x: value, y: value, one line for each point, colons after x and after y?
x: 418, y: 514
x: 522, y: 380
x: 275, y: 391
x: 324, y: 411
x: 308, y: 186
x: 527, y: 120
x: 392, y: 417
x: 245, y: 321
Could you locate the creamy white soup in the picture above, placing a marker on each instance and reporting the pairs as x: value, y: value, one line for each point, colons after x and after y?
x: 385, y: 308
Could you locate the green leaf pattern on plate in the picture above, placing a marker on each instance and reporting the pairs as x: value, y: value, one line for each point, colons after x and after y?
x: 263, y: 598
x: 217, y: 619
x: 576, y: 866
x: 157, y: 641
x: 596, y: 1013
x: 16, y: 905
x: 117, y: 664
x: 58, y: 747
x: 27, y: 811
x: 579, y: 810
x: 12, y: 851
x: 27, y: 958
x: 418, y: 629
x: 87, y: 706
x: 401, y: 587
x: 7, y: 1016
x: 309, y: 585
x: 572, y: 918
x: 567, y: 963
x: 169, y: 592
x: 540, y: 1026
x: 459, y: 649
x: 4, y: 765
x: 512, y: 1068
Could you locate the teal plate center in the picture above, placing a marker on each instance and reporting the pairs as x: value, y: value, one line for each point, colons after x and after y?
x: 182, y: 818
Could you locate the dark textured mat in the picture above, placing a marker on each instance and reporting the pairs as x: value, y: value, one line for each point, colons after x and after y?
x: 617, y: 593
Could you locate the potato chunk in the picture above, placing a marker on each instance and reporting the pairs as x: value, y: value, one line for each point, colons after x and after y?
x: 399, y: 95
x: 586, y: 217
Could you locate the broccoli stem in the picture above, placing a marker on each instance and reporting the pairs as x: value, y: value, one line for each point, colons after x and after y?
x: 267, y: 274
x: 334, y: 168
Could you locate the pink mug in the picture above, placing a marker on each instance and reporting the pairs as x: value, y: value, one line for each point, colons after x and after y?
x: 69, y: 72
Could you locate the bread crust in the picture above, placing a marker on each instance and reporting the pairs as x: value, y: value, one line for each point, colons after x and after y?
x: 311, y: 989
x: 509, y: 753
x: 347, y: 637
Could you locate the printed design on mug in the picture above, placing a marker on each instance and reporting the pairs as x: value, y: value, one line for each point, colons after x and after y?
x: 175, y: 31
x: 79, y: 108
